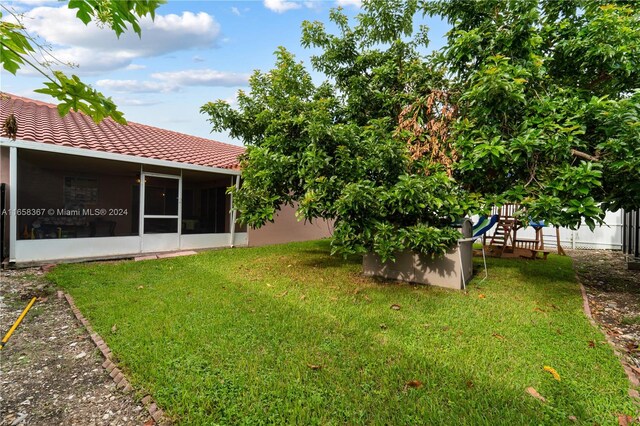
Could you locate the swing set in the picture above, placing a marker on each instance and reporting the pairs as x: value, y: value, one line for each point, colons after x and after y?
x: 505, y: 241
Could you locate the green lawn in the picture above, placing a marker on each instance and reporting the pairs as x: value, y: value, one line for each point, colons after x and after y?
x: 234, y: 336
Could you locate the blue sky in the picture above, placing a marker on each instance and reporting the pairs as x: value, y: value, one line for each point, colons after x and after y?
x: 194, y: 52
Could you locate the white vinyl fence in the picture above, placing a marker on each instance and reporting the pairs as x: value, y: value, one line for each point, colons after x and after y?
x: 604, y: 237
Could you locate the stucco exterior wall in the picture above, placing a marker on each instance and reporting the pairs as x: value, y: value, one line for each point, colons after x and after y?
x: 286, y: 229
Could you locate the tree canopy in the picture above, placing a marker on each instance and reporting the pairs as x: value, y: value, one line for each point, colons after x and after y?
x: 530, y: 102
x: 548, y: 103
x: 19, y: 49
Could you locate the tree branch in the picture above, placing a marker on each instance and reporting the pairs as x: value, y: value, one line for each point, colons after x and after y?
x: 31, y: 64
x: 603, y: 77
x: 584, y: 155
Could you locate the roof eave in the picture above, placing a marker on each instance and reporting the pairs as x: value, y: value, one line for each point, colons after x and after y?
x: 82, y: 152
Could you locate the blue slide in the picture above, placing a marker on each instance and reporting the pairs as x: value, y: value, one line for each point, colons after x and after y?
x: 484, y: 225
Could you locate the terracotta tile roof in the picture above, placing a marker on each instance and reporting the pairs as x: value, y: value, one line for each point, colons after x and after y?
x: 40, y: 122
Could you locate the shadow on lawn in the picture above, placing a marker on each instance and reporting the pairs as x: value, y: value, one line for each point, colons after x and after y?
x: 323, y: 259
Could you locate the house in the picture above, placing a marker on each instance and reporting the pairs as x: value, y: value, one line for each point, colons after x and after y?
x: 73, y: 189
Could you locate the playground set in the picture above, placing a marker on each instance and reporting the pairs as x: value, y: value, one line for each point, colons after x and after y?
x: 505, y: 242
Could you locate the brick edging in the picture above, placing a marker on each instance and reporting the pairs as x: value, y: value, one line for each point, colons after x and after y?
x: 585, y: 304
x: 114, y: 372
x: 633, y: 379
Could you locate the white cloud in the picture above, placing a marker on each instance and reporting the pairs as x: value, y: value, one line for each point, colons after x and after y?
x: 236, y: 11
x: 136, y: 86
x: 136, y: 102
x: 21, y: 6
x: 347, y: 3
x: 281, y: 6
x: 33, y: 3
x: 232, y: 101
x: 205, y: 77
x: 314, y: 4
x: 164, y: 82
x: 98, y: 49
x: 94, y: 60
x: 135, y: 67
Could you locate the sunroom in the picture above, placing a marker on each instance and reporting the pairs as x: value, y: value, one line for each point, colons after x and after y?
x: 74, y: 189
x: 71, y: 206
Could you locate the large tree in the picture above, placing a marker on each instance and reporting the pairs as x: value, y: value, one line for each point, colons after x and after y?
x: 530, y: 102
x: 20, y: 49
x: 548, y: 103
x: 336, y: 148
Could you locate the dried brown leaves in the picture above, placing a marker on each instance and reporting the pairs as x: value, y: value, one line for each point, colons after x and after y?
x: 426, y: 124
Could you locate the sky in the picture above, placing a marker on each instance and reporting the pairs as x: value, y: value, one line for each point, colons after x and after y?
x: 192, y: 53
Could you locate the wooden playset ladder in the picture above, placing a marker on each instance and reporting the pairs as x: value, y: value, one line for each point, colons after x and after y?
x: 502, y: 236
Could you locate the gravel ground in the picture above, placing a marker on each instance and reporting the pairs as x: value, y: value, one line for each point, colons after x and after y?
x: 614, y: 298
x: 50, y: 371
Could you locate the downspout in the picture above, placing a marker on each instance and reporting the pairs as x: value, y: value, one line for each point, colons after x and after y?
x: 232, y: 236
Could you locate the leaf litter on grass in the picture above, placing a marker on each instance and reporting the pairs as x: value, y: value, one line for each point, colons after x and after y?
x: 553, y: 372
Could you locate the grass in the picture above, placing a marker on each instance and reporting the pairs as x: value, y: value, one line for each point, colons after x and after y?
x: 235, y: 336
